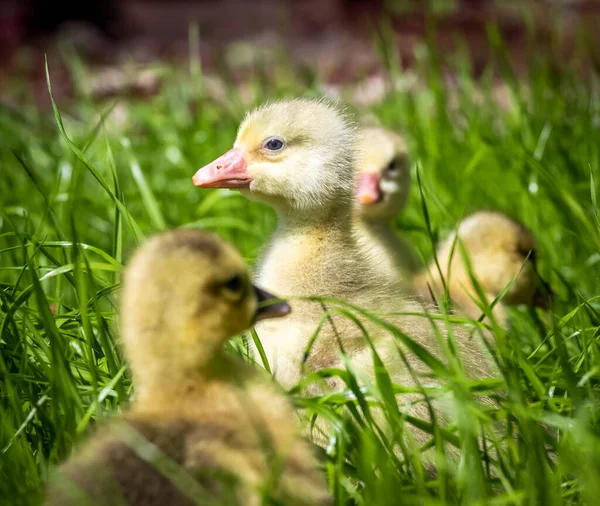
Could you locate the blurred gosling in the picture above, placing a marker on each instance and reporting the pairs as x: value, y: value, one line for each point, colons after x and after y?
x: 382, y: 191
x: 204, y: 427
x: 502, y: 253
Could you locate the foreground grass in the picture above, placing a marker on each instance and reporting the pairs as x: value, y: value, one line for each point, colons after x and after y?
x: 75, y: 202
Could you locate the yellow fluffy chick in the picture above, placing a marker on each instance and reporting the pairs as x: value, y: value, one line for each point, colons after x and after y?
x: 502, y: 255
x: 299, y: 156
x: 383, y: 186
x: 203, y: 428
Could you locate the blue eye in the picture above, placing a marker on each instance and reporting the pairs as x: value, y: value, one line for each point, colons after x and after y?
x: 273, y: 144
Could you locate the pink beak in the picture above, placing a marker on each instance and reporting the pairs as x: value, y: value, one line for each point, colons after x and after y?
x: 227, y: 171
x: 368, y: 191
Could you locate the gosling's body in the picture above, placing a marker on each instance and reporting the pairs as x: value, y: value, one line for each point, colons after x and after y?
x: 329, y: 261
x: 203, y: 425
x: 222, y: 443
x: 382, y: 192
x: 502, y: 255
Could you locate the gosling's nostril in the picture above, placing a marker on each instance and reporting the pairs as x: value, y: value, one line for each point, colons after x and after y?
x: 219, y: 167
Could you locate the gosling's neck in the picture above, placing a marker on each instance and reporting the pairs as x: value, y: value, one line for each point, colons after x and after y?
x: 380, y: 227
x: 330, y: 220
x: 316, y: 254
x: 166, y: 382
x: 380, y: 231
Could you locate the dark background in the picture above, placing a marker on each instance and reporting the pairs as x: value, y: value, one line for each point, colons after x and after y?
x: 333, y: 37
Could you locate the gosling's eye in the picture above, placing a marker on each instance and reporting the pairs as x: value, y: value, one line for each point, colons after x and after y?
x: 235, y: 285
x: 274, y: 144
x: 394, y: 166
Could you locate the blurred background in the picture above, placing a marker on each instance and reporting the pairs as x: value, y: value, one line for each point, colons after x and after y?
x: 336, y: 39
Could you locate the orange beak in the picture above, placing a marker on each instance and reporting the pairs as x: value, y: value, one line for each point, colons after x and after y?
x: 228, y: 171
x: 368, y: 191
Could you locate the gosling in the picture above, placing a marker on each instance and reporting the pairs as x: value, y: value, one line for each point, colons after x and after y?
x: 204, y: 427
x: 502, y: 254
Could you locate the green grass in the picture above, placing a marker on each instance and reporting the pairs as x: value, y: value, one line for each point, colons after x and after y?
x: 76, y: 199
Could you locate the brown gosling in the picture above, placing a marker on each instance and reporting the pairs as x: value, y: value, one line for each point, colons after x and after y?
x: 204, y: 427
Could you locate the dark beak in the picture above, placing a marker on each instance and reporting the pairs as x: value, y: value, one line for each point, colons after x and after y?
x: 275, y: 309
x: 543, y: 295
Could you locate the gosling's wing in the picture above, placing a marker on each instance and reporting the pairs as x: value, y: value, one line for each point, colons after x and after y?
x: 131, y: 463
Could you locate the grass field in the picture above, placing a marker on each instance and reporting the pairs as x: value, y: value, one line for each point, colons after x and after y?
x: 78, y: 194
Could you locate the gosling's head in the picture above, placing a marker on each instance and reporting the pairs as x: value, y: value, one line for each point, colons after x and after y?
x: 296, y: 155
x: 500, y: 249
x: 383, y: 174
x: 185, y: 293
